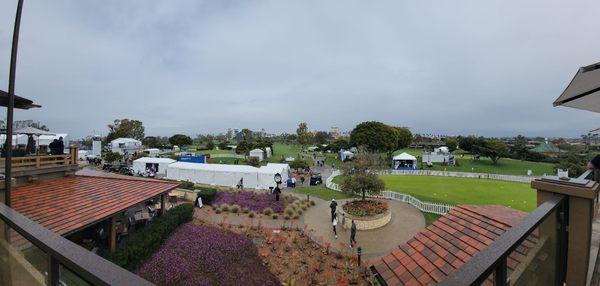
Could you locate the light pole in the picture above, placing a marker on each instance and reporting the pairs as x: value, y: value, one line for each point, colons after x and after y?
x: 11, y: 105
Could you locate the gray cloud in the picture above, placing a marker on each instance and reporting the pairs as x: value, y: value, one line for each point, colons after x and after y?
x: 459, y: 67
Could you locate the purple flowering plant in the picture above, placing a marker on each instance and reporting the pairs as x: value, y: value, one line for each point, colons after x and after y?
x: 253, y: 201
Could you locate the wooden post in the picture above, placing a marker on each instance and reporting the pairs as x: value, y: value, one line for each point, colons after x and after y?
x: 38, y: 161
x: 112, y: 232
x: 162, y: 204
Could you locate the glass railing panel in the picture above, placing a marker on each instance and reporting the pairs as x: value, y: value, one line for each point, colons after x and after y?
x: 69, y: 278
x: 536, y: 261
x: 21, y: 263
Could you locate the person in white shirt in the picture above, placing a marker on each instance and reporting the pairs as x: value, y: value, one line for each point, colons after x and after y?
x: 335, y: 221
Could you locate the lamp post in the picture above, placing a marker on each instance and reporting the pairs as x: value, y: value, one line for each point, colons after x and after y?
x: 11, y: 105
x: 277, y: 190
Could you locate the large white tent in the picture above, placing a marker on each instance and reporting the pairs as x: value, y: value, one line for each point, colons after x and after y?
x: 159, y: 164
x: 258, y: 153
x: 227, y: 175
x: 404, y: 161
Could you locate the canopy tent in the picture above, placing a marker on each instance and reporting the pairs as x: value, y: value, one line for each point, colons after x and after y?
x: 346, y: 155
x: 158, y: 165
x: 20, y: 102
x: 583, y: 92
x: 404, y: 161
x: 32, y: 131
x: 258, y: 153
x: 227, y: 175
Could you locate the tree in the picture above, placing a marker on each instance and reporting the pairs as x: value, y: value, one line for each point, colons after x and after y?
x: 494, y: 149
x: 223, y: 145
x: 111, y: 157
x: 304, y: 137
x: 298, y: 164
x: 519, y: 149
x: 452, y: 144
x: 125, y: 128
x: 364, y: 161
x: 180, y: 140
x: 375, y: 136
x: 253, y: 161
x: 470, y: 143
x: 210, y: 145
x: 151, y: 142
x: 247, y: 134
x: 243, y: 147
x: 363, y: 184
x: 336, y: 145
x: 404, y: 137
x: 322, y: 137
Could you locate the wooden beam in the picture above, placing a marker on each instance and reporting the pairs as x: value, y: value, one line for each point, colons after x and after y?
x: 162, y: 204
x: 112, y: 232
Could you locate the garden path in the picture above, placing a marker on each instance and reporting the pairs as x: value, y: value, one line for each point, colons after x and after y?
x: 406, y: 222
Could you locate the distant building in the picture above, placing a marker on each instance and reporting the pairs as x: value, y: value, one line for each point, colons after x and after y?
x: 439, y: 155
x: 335, y: 132
x: 126, y: 146
x: 548, y: 149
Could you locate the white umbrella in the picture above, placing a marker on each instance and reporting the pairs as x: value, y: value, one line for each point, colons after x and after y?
x: 584, y: 90
x: 32, y: 131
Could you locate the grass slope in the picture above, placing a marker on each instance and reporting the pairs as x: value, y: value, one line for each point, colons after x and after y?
x: 321, y: 192
x: 464, y: 191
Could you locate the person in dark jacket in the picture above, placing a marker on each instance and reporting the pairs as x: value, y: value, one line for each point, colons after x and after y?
x: 353, y: 234
x: 594, y: 163
x: 60, y: 148
x: 333, y: 207
x: 53, y: 147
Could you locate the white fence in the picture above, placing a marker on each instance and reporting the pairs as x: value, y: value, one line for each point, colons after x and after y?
x: 236, y: 156
x: 428, y: 207
x: 511, y: 178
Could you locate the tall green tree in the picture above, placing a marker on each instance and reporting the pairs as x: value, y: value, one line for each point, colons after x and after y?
x: 452, y: 144
x: 322, y: 137
x: 180, y: 140
x: 125, y: 128
x: 304, y: 137
x: 494, y: 149
x: 151, y: 142
x: 375, y: 136
x: 405, y: 137
x: 247, y: 134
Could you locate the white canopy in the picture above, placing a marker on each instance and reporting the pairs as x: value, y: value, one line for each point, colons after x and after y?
x: 227, y: 175
x: 32, y: 131
x: 160, y: 165
x: 405, y: 157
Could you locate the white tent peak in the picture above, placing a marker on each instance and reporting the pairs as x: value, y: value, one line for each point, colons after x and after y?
x: 405, y: 156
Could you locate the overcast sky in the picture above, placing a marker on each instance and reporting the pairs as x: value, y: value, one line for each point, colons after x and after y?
x: 448, y: 67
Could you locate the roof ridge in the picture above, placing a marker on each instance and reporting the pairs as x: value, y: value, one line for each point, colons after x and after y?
x: 124, y: 178
x: 472, y: 209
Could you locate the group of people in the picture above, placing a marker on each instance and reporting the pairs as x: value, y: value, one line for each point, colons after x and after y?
x: 334, y: 221
x: 57, y: 146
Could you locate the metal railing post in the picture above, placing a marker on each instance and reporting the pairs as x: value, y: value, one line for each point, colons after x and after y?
x: 500, y: 273
x: 53, y: 271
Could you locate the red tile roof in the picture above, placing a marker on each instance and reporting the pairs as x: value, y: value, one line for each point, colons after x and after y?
x: 430, y: 256
x: 68, y: 204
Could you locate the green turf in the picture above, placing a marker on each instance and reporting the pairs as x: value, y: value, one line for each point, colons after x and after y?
x: 430, y: 218
x: 464, y: 190
x: 321, y: 192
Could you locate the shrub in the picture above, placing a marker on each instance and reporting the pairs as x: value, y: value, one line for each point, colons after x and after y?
x: 207, y: 194
x: 218, y: 211
x: 312, y: 203
x: 299, y: 212
x: 286, y: 217
x: 253, y: 161
x: 245, y: 210
x: 225, y: 207
x: 188, y: 186
x: 275, y: 216
x: 267, y: 211
x: 234, y: 209
x: 296, y: 216
x: 289, y: 211
x: 365, y: 208
x: 304, y: 207
x: 140, y: 245
x: 251, y: 214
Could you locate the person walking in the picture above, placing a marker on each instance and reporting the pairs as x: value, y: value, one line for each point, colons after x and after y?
x: 353, y: 234
x: 343, y: 220
x: 333, y: 207
x: 334, y: 223
x: 302, y: 180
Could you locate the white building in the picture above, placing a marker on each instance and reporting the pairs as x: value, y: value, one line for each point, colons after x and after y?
x: 126, y: 146
x: 439, y: 155
x: 258, y: 153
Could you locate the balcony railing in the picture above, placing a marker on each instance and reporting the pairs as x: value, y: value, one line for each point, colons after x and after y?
x: 39, y: 161
x: 33, y: 255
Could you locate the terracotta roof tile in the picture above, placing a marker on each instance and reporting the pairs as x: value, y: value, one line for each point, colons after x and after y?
x: 68, y: 204
x: 448, y: 243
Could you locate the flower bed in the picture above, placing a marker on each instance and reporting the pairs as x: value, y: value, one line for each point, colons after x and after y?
x: 253, y: 201
x: 367, y: 208
x: 201, y: 255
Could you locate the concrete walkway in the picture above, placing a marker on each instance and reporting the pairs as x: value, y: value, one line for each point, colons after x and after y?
x: 406, y: 222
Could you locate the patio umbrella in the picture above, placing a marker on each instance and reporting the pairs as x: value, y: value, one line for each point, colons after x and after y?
x: 584, y: 90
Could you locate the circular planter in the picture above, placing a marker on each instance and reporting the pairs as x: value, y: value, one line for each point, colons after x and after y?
x: 368, y: 222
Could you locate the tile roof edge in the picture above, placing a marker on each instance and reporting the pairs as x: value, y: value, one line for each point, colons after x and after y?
x: 129, y: 179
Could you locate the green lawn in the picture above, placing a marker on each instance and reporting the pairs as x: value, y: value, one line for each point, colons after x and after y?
x: 321, y: 192
x: 464, y: 191
x: 430, y: 218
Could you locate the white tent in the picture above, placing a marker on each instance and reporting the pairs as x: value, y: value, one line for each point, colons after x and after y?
x: 404, y: 161
x: 266, y: 174
x: 269, y: 152
x: 258, y: 153
x: 227, y: 175
x: 159, y: 164
x: 125, y: 145
x: 152, y: 152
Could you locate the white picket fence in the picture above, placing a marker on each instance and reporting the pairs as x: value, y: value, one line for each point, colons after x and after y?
x: 511, y: 178
x: 236, y: 156
x: 428, y: 207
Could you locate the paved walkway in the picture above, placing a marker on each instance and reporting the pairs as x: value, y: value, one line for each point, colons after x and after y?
x: 406, y: 222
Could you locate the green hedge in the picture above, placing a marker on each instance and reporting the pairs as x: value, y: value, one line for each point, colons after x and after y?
x: 187, y: 185
x: 143, y: 243
x: 207, y: 194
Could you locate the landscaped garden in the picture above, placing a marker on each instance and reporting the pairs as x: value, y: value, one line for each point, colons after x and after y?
x: 464, y: 190
x: 203, y: 255
x: 253, y: 201
x: 365, y: 208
